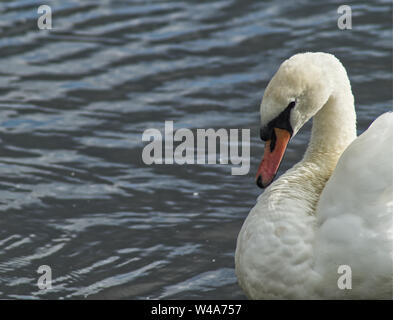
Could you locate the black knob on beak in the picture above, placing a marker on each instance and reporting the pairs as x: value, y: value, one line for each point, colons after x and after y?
x: 266, y: 133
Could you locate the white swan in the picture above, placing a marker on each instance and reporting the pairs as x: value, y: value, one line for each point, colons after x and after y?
x: 333, y: 208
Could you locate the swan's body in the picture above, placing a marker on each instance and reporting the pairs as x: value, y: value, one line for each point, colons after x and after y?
x: 334, y: 207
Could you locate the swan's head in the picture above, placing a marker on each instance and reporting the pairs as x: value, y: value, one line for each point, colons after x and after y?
x: 296, y: 92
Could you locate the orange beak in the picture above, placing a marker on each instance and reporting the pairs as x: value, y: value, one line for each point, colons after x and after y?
x: 272, y: 158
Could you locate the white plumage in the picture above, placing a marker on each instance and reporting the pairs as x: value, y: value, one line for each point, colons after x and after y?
x: 333, y: 208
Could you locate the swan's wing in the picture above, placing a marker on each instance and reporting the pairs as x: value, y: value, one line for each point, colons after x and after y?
x: 355, y: 215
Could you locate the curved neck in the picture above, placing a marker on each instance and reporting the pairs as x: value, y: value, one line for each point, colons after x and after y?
x: 334, y: 126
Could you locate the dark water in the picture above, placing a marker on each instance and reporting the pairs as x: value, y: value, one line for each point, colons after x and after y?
x: 75, y: 100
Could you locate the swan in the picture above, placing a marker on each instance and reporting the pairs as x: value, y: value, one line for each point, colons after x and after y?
x: 331, y: 210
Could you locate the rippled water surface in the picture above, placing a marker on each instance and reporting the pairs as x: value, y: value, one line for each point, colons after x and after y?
x: 75, y: 100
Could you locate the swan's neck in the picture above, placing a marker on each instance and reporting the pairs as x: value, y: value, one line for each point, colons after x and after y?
x: 334, y: 126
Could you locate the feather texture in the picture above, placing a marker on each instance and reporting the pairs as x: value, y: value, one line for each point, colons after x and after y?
x: 331, y: 209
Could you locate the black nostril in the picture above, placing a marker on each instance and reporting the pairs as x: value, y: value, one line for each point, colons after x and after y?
x: 259, y: 182
x: 266, y: 133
